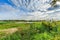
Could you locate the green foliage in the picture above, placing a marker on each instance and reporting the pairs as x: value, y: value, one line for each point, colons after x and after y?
x: 43, y: 36
x: 43, y: 30
x: 15, y: 36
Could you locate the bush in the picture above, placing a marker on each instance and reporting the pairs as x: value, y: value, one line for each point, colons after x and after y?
x: 43, y: 36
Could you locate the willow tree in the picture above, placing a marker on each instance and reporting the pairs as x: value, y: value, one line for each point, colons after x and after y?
x: 53, y: 3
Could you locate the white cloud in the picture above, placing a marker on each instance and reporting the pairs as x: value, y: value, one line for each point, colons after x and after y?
x: 7, y: 12
x: 32, y: 4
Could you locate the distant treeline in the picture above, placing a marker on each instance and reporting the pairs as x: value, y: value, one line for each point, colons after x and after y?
x: 24, y: 20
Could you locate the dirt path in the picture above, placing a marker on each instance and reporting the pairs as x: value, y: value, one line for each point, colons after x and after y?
x: 9, y: 31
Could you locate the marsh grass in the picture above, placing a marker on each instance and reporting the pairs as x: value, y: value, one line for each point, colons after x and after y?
x: 42, y: 30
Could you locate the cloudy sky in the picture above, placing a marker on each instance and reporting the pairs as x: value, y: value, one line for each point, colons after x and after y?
x: 36, y: 10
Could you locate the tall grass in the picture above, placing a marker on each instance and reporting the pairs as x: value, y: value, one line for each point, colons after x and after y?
x: 44, y: 30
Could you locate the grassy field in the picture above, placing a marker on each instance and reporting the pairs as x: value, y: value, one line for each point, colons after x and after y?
x: 37, y: 30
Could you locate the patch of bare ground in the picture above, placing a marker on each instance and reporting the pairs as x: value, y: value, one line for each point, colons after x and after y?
x: 9, y: 31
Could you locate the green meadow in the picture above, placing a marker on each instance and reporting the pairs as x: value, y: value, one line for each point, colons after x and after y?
x: 30, y: 30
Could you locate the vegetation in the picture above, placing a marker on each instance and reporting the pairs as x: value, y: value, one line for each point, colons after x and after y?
x: 53, y: 3
x: 42, y: 30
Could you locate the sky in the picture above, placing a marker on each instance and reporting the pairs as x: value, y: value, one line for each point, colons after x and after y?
x: 11, y: 10
x: 8, y: 12
x: 4, y: 1
x: 7, y: 2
